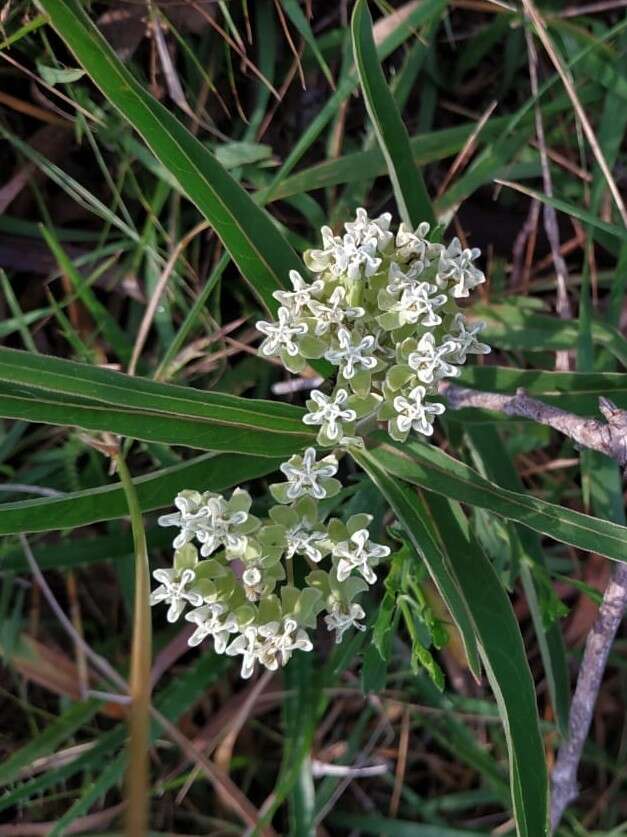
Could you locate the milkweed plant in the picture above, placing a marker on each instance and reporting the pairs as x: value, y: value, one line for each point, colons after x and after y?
x: 382, y: 308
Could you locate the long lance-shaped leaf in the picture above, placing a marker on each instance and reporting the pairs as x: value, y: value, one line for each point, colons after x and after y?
x: 208, y: 472
x: 410, y: 191
x: 472, y: 590
x: 403, y: 501
x: 503, y: 653
x: 237, y: 436
x: 54, y: 391
x: 495, y: 462
x: 262, y: 254
x: 427, y: 466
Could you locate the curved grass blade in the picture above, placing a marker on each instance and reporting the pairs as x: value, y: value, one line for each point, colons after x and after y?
x: 261, y: 253
x: 410, y: 191
x: 570, y: 209
x: 427, y: 466
x: 209, y: 472
x: 403, y: 501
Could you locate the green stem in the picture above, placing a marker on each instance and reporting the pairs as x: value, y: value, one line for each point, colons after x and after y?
x: 137, y: 777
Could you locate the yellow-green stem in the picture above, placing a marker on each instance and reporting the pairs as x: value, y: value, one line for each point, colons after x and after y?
x: 137, y: 775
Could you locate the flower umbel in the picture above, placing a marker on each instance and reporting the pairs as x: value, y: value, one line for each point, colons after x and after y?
x: 242, y: 601
x: 382, y: 302
x: 383, y: 309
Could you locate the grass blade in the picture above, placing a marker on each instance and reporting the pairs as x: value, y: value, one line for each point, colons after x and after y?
x: 410, y: 191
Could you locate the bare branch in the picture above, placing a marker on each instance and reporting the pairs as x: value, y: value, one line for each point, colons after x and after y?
x: 598, y: 645
x: 608, y: 437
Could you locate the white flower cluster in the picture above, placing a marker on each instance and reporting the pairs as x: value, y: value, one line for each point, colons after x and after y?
x: 230, y: 567
x: 383, y: 309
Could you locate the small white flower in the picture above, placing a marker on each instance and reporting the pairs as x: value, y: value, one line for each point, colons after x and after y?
x: 301, y: 540
x: 248, y: 645
x: 349, y: 355
x: 190, y: 517
x: 299, y: 298
x: 456, y: 266
x: 211, y: 620
x: 335, y: 312
x: 417, y: 305
x: 464, y: 340
x: 281, y: 335
x: 412, y: 245
x: 305, y: 479
x: 353, y: 259
x: 217, y: 528
x: 173, y: 590
x: 271, y: 644
x: 340, y: 619
x: 356, y: 554
x: 344, y: 256
x: 428, y: 361
x: 279, y: 641
x: 331, y: 412
x: 253, y: 583
x: 364, y: 229
x: 414, y: 412
x: 401, y: 280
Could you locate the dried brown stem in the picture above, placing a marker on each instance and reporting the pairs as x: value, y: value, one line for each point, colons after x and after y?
x: 549, y: 215
x: 608, y: 437
x: 598, y: 644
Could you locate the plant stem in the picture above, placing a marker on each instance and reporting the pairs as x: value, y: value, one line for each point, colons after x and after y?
x: 137, y: 784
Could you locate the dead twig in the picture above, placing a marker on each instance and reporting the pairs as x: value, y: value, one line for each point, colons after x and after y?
x: 608, y: 437
x: 549, y: 214
x: 564, y: 787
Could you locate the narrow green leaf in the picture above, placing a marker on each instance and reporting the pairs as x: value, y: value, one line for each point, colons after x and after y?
x: 494, y: 462
x: 570, y: 209
x: 208, y: 472
x: 505, y: 659
x: 410, y: 191
x: 55, y: 391
x: 427, y: 466
x: 262, y: 254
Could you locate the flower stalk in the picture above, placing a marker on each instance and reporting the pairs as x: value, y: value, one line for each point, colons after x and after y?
x: 137, y: 774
